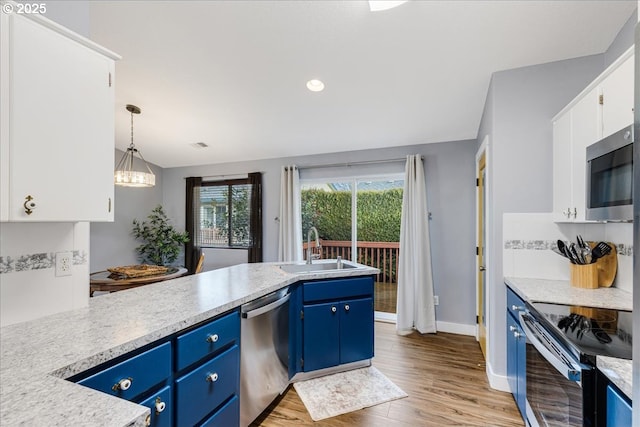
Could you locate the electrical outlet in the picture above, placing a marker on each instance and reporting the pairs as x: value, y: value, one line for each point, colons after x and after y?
x: 63, y: 263
x: 436, y: 300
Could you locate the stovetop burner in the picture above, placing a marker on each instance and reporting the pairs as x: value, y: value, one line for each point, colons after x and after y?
x: 589, y: 331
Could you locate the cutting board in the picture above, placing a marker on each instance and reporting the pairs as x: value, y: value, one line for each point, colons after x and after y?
x: 607, y: 266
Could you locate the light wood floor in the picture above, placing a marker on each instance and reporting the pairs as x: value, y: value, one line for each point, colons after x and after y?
x: 443, y: 374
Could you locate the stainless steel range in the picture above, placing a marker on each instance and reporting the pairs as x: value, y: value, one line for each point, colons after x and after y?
x: 562, y: 344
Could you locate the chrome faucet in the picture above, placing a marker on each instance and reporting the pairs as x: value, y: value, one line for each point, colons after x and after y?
x: 310, y: 255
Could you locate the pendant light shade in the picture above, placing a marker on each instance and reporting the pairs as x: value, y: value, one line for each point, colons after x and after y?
x: 128, y: 173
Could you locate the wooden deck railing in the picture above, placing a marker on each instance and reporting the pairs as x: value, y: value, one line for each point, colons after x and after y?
x: 381, y: 255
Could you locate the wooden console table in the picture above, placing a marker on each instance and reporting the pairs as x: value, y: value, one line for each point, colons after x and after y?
x: 100, y: 281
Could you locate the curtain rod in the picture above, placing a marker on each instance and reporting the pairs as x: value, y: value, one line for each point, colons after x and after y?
x: 363, y: 162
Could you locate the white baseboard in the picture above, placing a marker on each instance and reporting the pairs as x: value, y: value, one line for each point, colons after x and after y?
x: 497, y: 382
x: 456, y: 328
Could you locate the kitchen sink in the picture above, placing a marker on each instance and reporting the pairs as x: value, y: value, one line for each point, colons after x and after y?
x: 316, y: 267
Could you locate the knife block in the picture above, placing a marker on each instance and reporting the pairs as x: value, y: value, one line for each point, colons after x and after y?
x: 584, y: 276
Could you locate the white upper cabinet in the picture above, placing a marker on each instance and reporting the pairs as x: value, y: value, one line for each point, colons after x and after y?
x: 604, y: 107
x: 617, y: 98
x: 57, y: 111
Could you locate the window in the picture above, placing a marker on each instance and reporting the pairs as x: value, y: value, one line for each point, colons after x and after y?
x: 225, y: 212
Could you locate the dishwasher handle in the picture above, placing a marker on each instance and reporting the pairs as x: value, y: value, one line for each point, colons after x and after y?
x: 265, y: 308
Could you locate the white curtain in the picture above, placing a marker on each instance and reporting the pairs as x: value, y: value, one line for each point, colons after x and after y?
x: 415, y: 308
x: 290, y: 237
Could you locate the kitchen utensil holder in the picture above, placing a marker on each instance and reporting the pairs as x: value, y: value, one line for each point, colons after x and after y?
x: 602, y: 273
x: 584, y: 276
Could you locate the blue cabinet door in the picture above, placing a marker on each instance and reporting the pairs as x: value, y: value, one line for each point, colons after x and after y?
x: 516, y: 363
x: 321, y: 335
x: 618, y: 409
x: 227, y: 416
x: 356, y: 330
x: 161, y: 406
x: 512, y: 356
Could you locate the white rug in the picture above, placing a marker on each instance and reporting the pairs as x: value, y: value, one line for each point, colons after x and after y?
x: 345, y: 392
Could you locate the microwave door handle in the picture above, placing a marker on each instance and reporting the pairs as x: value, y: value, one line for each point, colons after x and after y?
x: 559, y: 360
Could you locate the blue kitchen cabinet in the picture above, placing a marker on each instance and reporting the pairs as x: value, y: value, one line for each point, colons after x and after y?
x: 335, y: 323
x: 619, y: 409
x: 516, y: 352
x: 189, y: 378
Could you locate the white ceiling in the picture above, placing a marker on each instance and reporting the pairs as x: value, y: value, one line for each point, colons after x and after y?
x: 232, y: 74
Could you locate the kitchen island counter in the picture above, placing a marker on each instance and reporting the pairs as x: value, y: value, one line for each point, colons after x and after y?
x: 38, y: 355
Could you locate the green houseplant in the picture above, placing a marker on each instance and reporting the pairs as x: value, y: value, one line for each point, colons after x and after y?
x: 161, y: 241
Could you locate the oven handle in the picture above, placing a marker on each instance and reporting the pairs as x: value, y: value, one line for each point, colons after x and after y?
x: 551, y: 351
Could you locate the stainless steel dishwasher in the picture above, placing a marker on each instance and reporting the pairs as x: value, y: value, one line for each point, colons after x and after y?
x: 264, y: 353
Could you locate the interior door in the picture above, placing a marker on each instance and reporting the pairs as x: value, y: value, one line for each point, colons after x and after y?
x: 480, y: 250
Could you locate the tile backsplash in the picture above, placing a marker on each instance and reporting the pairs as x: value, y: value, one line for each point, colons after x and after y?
x: 528, y: 240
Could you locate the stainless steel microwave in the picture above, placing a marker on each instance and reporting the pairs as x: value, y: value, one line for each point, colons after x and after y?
x: 610, y: 177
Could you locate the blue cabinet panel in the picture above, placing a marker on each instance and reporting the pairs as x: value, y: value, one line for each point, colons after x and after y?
x: 200, y: 391
x: 356, y: 330
x: 321, y: 329
x: 133, y: 376
x: 337, y: 289
x: 206, y: 339
x: 227, y: 416
x: 516, y: 352
x: 514, y: 304
x: 619, y: 411
x: 161, y: 406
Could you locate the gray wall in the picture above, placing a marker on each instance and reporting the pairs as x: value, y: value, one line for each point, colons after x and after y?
x: 450, y: 180
x: 517, y: 119
x: 111, y: 242
x: 71, y: 14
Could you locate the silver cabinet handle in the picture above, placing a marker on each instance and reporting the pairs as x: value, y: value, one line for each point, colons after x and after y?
x: 29, y: 205
x: 124, y: 384
x: 212, y: 338
x: 513, y: 328
x: 160, y: 405
x: 334, y: 309
x: 346, y: 307
x: 212, y: 377
x: 517, y: 308
x: 517, y: 335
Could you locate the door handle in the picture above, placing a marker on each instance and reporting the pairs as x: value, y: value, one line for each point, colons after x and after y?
x: 482, y: 268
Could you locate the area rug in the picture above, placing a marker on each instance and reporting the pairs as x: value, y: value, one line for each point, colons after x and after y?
x: 345, y: 392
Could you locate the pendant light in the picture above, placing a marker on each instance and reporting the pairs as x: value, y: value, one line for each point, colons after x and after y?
x: 126, y: 174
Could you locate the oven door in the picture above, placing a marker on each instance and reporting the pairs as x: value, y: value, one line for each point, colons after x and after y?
x: 556, y: 391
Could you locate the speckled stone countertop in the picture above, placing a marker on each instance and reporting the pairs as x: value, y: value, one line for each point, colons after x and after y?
x: 36, y: 356
x: 561, y: 292
x: 619, y: 371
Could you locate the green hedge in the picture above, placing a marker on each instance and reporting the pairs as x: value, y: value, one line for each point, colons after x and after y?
x: 330, y: 212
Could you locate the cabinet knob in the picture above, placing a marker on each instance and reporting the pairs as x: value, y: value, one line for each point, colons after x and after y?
x: 513, y: 328
x: 29, y: 205
x: 517, y: 308
x: 517, y: 335
x: 212, y: 338
x: 124, y: 384
x: 212, y: 378
x: 160, y: 405
x: 346, y: 307
x: 334, y: 309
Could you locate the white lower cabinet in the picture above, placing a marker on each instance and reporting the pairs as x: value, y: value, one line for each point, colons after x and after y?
x: 57, y: 109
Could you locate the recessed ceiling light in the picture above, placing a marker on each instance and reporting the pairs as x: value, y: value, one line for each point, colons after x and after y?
x: 378, y: 5
x: 315, y: 85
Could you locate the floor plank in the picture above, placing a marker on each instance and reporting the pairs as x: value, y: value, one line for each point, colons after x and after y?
x: 443, y: 374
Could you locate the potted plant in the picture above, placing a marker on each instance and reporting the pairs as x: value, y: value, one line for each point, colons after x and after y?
x: 161, y: 241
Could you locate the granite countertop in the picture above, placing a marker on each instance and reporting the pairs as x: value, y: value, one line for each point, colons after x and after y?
x: 561, y: 292
x: 37, y: 355
x: 619, y: 371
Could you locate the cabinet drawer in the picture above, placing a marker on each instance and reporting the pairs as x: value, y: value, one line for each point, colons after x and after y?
x: 207, y: 339
x: 197, y: 393
x: 142, y: 372
x: 514, y: 304
x: 228, y: 415
x: 337, y: 289
x: 161, y: 406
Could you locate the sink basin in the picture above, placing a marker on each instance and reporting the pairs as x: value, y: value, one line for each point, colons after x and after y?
x: 316, y: 267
